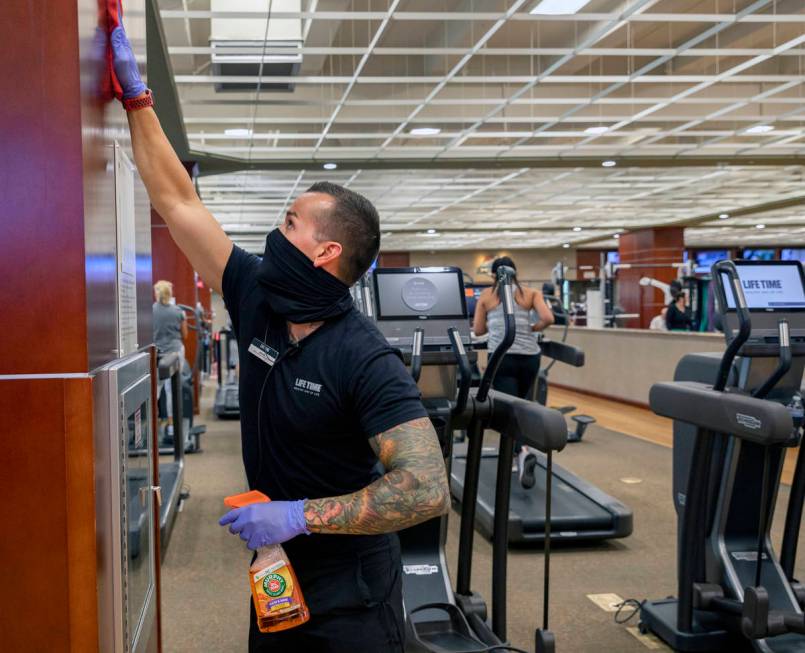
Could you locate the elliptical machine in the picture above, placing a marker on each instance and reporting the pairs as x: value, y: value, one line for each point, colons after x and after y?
x: 412, y: 306
x: 734, y: 416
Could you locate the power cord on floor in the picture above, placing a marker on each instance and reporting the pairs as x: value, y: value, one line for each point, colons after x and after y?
x: 505, y: 647
x: 635, y: 607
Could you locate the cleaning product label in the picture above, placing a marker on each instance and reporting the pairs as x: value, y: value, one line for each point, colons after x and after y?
x: 274, y: 589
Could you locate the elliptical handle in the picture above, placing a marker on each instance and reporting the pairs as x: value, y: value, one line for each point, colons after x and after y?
x: 505, y: 275
x: 784, y: 364
x: 744, y: 318
x: 464, y: 370
x: 416, y: 353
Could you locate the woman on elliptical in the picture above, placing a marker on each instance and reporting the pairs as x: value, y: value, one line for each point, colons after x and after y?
x: 519, y: 367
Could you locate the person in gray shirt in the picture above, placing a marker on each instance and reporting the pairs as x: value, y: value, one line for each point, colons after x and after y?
x: 170, y: 328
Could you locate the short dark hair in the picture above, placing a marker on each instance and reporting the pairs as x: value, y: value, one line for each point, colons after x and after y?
x: 353, y: 222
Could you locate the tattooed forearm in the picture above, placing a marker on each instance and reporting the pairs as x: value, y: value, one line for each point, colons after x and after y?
x: 414, y: 488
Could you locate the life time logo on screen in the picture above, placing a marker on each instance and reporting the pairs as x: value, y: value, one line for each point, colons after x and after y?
x: 762, y: 284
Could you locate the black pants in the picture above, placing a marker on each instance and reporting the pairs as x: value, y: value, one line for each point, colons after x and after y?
x: 515, y: 376
x: 355, y: 604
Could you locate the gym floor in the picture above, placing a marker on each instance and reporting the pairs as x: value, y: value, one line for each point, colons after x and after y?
x: 204, y: 576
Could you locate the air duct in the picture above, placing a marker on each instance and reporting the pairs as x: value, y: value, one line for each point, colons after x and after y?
x: 241, y: 46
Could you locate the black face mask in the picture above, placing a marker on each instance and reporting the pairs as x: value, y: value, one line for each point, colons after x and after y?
x: 295, y: 288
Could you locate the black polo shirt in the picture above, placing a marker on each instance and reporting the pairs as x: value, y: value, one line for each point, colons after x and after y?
x: 306, y: 420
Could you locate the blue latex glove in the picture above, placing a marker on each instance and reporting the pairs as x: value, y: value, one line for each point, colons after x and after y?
x: 126, y: 71
x: 261, y: 524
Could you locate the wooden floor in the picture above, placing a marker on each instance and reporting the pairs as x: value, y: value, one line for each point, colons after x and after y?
x: 615, y: 416
x: 637, y: 422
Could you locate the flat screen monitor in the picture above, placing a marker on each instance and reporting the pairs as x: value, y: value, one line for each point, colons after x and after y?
x: 759, y: 254
x: 613, y: 257
x: 419, y: 293
x: 703, y: 260
x: 778, y: 286
x: 793, y: 255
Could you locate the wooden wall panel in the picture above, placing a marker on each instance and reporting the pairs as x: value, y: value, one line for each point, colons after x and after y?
x: 588, y: 258
x: 661, y: 246
x: 41, y: 215
x: 47, y: 551
x: 393, y: 260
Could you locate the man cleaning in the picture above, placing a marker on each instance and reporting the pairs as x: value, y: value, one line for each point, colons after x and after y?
x: 323, y: 397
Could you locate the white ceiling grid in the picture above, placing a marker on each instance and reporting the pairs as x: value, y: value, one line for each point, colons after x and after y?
x: 621, y: 78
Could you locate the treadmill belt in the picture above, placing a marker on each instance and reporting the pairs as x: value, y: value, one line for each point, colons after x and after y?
x: 571, y: 510
x: 579, y: 510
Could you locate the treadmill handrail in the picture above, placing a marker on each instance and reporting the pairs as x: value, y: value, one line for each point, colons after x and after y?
x: 416, y: 353
x: 562, y: 352
x: 755, y: 420
x: 528, y: 422
x: 464, y: 370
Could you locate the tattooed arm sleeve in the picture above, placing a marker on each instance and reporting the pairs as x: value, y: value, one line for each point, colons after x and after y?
x: 413, y: 489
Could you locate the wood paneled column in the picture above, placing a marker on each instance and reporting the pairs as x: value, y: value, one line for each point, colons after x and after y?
x: 656, y: 248
x: 170, y: 264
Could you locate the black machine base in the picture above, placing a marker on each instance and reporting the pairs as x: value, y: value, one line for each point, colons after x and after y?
x: 659, y: 617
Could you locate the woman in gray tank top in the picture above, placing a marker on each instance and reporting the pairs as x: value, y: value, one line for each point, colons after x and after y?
x: 518, y: 370
x: 170, y: 328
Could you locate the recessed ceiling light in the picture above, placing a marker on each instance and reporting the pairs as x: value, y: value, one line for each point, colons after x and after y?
x: 330, y: 166
x: 723, y: 216
x: 425, y: 131
x: 558, y: 7
x: 576, y: 228
x: 431, y: 231
x: 609, y: 163
x: 760, y: 226
x: 238, y: 132
x: 596, y: 130
x: 760, y: 129
x: 566, y: 246
x: 616, y: 236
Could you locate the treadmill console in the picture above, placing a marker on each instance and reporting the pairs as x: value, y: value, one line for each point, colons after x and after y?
x: 774, y: 291
x: 430, y: 298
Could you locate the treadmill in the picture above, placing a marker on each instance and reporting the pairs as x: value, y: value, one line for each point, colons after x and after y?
x: 422, y: 312
x: 581, y: 511
x: 227, y: 401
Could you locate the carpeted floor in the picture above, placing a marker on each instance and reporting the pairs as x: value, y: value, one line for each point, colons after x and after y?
x: 205, y: 584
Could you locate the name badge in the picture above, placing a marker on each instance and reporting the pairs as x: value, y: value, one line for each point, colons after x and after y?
x: 265, y: 353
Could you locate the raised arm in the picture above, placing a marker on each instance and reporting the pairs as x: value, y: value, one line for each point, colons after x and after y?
x: 413, y: 489
x: 170, y: 189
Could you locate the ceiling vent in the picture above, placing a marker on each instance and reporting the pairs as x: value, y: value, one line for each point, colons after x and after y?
x: 251, y: 46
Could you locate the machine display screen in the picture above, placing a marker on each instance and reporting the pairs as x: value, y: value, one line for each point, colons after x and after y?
x: 703, y: 260
x: 613, y: 257
x: 792, y: 255
x: 429, y: 293
x: 759, y: 254
x: 775, y: 287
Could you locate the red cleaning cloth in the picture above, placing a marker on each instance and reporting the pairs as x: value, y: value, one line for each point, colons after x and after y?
x: 114, y: 18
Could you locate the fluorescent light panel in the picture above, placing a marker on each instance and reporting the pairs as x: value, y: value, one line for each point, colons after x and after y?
x: 425, y: 131
x: 558, y: 7
x: 759, y: 129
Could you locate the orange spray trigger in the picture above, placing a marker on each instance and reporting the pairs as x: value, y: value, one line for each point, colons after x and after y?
x: 245, y: 499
